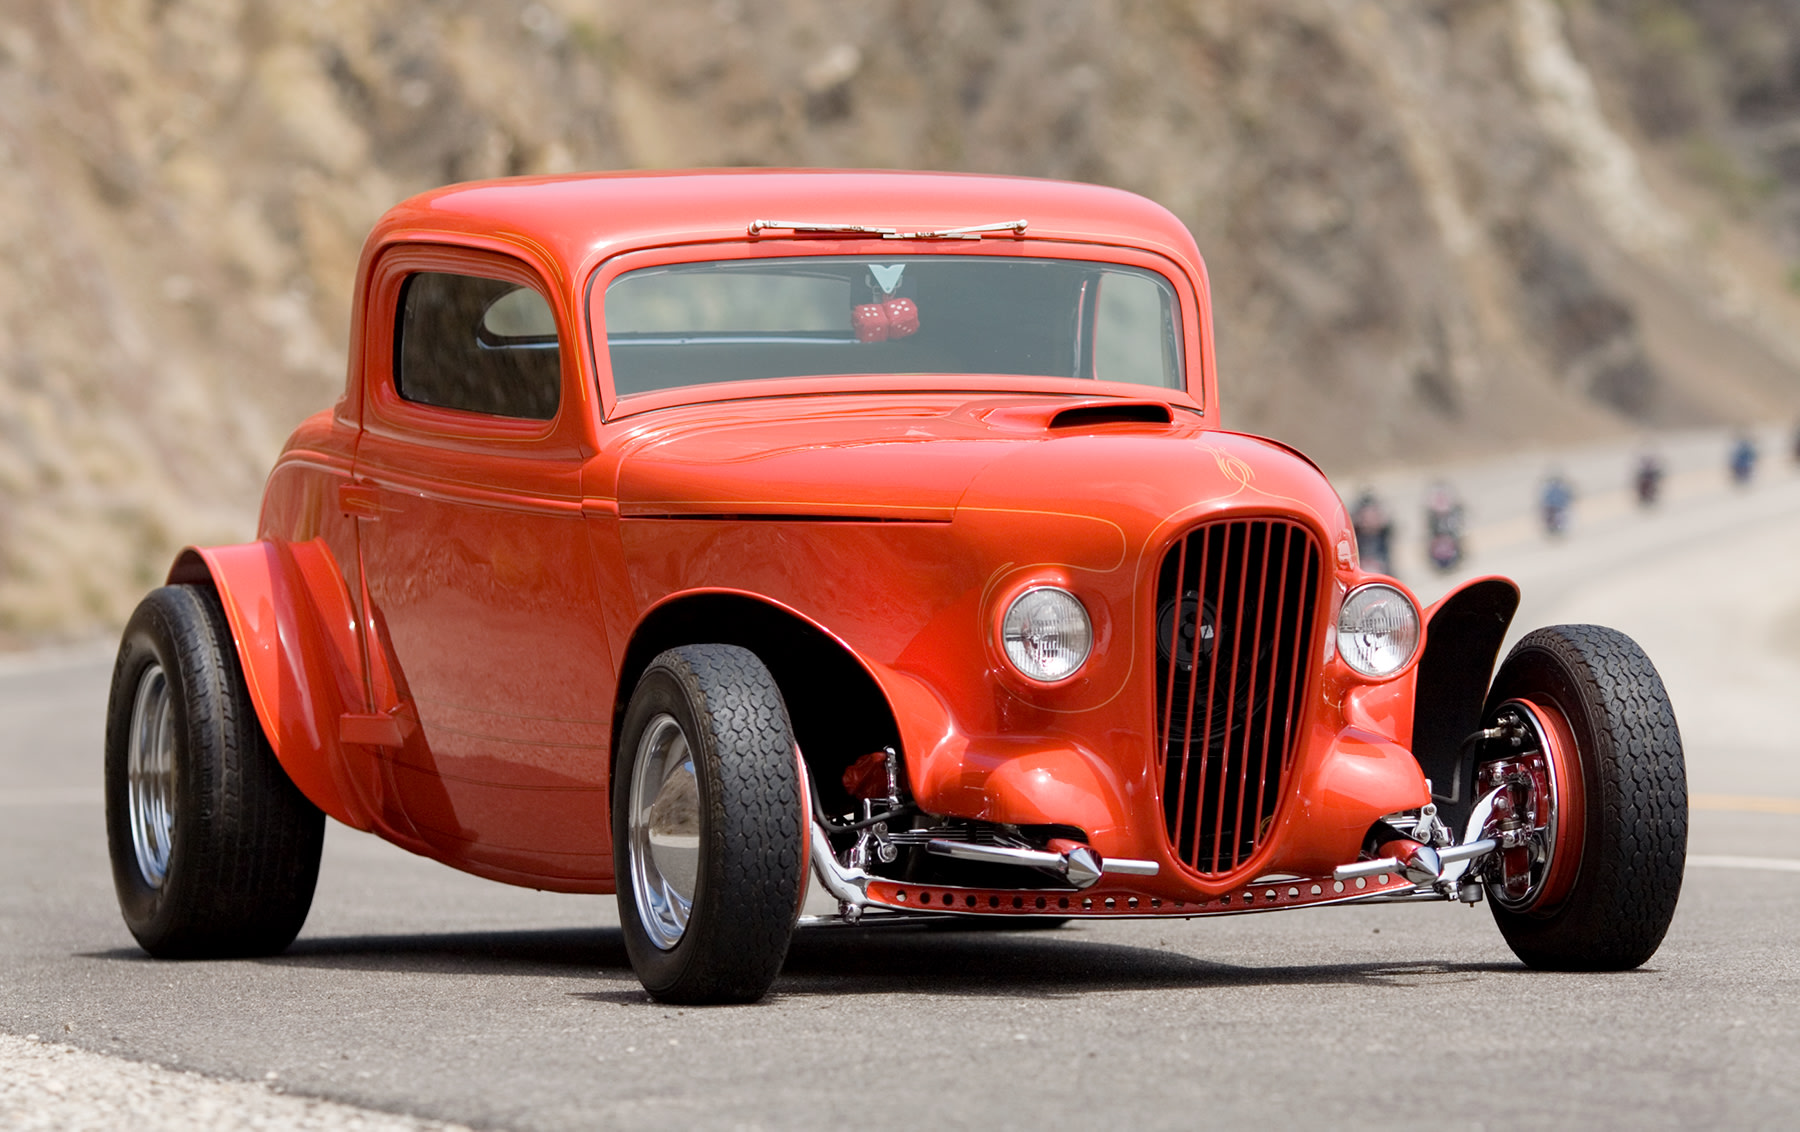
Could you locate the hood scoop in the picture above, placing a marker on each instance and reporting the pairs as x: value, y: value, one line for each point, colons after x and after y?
x: 1118, y: 412
x: 1072, y: 416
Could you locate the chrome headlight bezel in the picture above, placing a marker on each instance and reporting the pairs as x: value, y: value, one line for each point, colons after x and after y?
x: 1015, y: 634
x: 1379, y: 630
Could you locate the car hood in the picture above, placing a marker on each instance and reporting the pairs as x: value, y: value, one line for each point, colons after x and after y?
x: 922, y: 459
x: 835, y: 458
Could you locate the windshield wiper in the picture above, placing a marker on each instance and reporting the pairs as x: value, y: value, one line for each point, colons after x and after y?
x: 971, y: 232
x: 757, y: 227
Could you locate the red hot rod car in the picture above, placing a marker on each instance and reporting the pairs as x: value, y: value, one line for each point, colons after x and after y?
x: 703, y: 536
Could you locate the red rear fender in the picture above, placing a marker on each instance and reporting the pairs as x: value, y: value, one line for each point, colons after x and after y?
x: 295, y: 631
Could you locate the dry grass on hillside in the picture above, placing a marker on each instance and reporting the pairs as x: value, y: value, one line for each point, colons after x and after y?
x: 1432, y: 227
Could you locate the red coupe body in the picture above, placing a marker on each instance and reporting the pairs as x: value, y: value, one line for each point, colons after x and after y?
x: 447, y: 607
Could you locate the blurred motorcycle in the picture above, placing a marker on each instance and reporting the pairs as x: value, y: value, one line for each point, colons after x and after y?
x: 1648, y: 480
x: 1558, y: 496
x: 1374, y: 532
x: 1743, y: 461
x: 1443, y: 527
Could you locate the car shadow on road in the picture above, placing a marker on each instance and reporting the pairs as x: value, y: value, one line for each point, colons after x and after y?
x: 996, y: 964
x: 840, y: 962
x: 554, y: 951
x: 557, y: 951
x: 1055, y: 966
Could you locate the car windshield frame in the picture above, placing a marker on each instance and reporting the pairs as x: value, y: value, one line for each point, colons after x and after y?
x: 1186, y: 311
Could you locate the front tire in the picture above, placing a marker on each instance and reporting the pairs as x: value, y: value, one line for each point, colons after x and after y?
x: 215, y: 852
x: 1598, y: 690
x: 707, y: 826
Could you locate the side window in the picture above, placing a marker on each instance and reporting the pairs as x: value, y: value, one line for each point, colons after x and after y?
x: 479, y: 345
x: 1135, y: 334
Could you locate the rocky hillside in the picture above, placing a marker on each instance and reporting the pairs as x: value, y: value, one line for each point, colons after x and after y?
x: 1436, y: 226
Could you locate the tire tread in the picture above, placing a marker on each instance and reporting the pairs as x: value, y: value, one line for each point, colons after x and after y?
x: 754, y: 847
x: 247, y: 842
x: 1636, y: 844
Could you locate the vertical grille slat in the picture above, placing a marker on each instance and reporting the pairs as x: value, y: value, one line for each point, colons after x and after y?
x: 1168, y: 693
x: 1298, y: 640
x: 1257, y: 636
x: 1231, y: 688
x: 1278, y: 571
x: 1212, y: 681
x: 1237, y: 603
x: 1188, y: 716
x: 1278, y: 641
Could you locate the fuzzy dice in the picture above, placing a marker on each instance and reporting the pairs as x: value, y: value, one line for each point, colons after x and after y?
x: 890, y: 318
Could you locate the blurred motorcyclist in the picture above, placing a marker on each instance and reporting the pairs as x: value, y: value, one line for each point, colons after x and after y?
x: 1555, y: 501
x: 1743, y: 460
x: 1374, y: 532
x: 1648, y: 480
x: 1443, y: 526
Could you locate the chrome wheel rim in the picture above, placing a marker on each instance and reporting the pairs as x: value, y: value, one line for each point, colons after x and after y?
x: 1547, y: 764
x: 150, y: 775
x: 663, y: 825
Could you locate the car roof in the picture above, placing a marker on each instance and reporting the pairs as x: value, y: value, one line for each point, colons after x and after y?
x: 580, y: 219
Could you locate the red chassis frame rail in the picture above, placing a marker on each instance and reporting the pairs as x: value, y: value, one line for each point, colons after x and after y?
x: 1259, y: 896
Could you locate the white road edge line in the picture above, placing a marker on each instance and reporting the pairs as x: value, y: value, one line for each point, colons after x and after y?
x: 1769, y: 864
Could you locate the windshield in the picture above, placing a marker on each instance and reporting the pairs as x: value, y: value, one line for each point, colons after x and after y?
x: 744, y: 320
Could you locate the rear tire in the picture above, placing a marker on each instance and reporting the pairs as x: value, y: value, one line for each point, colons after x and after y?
x: 1634, y: 844
x: 707, y: 826
x: 215, y: 852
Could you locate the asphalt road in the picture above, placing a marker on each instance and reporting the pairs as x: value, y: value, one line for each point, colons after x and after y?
x: 418, y: 990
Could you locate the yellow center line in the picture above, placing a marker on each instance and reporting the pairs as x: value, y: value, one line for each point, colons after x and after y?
x: 1744, y: 803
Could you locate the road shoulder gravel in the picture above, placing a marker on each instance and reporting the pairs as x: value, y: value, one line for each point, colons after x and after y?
x: 44, y: 1085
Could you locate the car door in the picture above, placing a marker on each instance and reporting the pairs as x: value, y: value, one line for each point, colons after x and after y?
x: 478, y: 572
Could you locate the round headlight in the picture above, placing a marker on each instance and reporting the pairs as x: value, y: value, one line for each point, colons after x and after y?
x: 1046, y: 634
x: 1378, y: 630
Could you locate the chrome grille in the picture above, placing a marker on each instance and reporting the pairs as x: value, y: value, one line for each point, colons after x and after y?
x: 1236, y: 606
